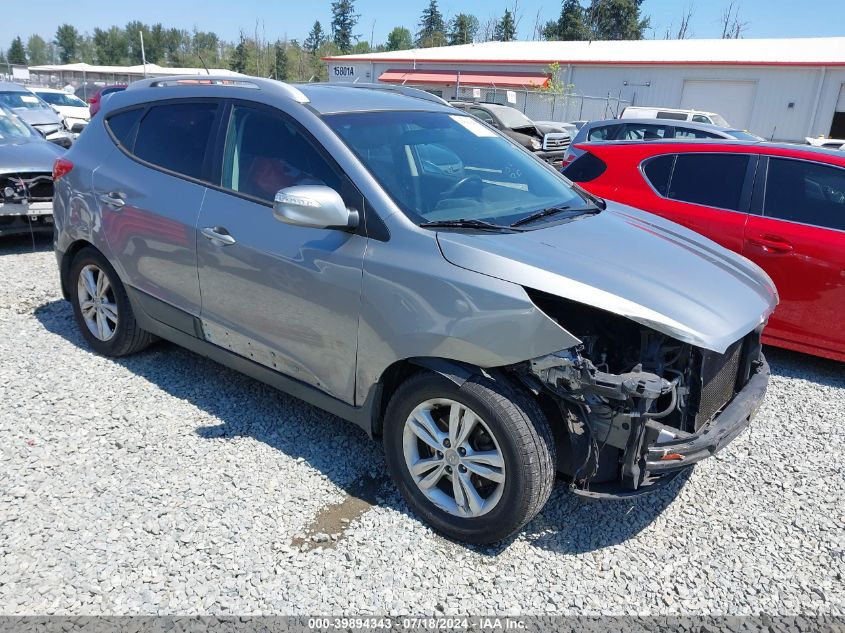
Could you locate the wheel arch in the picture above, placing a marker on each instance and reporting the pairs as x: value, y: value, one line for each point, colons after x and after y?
x: 67, y: 260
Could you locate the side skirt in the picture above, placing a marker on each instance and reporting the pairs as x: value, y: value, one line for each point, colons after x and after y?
x: 185, y: 330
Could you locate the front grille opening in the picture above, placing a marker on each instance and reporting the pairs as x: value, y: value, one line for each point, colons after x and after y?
x: 719, y: 373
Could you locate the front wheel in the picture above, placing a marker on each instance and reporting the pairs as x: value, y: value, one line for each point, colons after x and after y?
x: 476, y: 461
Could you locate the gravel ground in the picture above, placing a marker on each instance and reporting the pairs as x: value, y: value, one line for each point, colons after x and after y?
x: 164, y: 483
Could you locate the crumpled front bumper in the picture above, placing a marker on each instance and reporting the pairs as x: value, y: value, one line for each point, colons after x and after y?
x: 663, y: 461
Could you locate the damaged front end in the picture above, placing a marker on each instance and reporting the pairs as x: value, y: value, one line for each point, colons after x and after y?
x: 26, y: 202
x: 635, y: 406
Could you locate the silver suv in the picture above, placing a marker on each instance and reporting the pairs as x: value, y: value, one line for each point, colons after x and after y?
x: 400, y: 264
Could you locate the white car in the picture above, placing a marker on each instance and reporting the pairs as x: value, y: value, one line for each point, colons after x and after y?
x: 695, y: 116
x: 70, y: 107
x: 823, y: 141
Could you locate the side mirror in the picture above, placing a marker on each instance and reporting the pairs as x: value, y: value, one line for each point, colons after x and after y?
x: 315, y: 206
x: 77, y: 128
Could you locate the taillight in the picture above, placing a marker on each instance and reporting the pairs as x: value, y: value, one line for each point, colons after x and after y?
x: 61, y: 167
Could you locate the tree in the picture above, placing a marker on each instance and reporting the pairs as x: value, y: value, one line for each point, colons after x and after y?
x: 399, y: 39
x: 316, y: 38
x: 37, y: 51
x: 110, y: 46
x: 462, y: 29
x: 684, y: 31
x: 732, y: 26
x: 344, y: 20
x: 505, y: 29
x: 17, y: 53
x: 240, y: 56
x: 571, y: 25
x: 280, y: 61
x: 67, y: 40
x: 616, y: 20
x: 432, y: 27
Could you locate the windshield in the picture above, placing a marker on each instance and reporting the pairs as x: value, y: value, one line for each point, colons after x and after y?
x: 742, y: 135
x: 719, y: 120
x: 62, y: 99
x: 22, y: 100
x: 12, y: 128
x: 512, y: 118
x: 439, y: 166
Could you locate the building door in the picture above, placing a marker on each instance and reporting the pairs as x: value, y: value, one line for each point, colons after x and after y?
x: 837, y: 127
x: 734, y: 100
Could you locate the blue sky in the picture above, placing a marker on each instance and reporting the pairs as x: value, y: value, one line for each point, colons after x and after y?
x: 766, y: 18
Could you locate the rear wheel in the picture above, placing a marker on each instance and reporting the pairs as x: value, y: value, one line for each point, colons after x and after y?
x: 101, y: 307
x: 475, y: 461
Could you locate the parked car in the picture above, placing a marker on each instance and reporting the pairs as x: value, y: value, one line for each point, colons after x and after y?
x: 782, y: 206
x: 400, y: 264
x: 35, y: 112
x: 95, y: 99
x: 648, y: 130
x: 547, y: 143
x: 26, y: 181
x: 694, y: 116
x: 823, y: 141
x: 71, y: 108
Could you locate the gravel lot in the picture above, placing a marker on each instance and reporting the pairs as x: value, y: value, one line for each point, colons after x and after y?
x: 164, y: 483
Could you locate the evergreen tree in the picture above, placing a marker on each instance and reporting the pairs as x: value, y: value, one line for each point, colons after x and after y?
x: 344, y: 20
x: 280, y: 59
x: 110, y: 46
x: 399, y: 39
x: 505, y: 29
x: 616, y: 20
x: 36, y: 51
x: 17, y: 53
x: 432, y: 27
x: 463, y: 29
x: 67, y: 40
x: 240, y: 56
x: 315, y: 38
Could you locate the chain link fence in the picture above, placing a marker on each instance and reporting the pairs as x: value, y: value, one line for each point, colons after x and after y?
x: 540, y: 105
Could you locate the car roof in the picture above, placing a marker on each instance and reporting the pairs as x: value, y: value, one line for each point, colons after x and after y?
x: 323, y: 98
x: 660, y: 146
x: 704, y: 127
x: 43, y: 89
x: 10, y: 86
x: 486, y: 104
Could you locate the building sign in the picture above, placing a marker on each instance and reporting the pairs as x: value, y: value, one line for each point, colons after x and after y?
x: 349, y: 72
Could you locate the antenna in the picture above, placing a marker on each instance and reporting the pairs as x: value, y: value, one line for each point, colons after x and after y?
x: 207, y: 72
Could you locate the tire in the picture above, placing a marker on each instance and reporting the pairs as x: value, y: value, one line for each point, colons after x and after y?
x: 121, y: 335
x: 512, y: 431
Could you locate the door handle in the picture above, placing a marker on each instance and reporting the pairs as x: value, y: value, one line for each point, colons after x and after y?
x: 217, y: 235
x: 113, y: 199
x: 771, y: 243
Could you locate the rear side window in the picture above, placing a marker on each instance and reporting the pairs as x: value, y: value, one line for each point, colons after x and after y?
x: 175, y: 136
x: 645, y: 132
x: 603, y: 133
x: 713, y: 180
x: 658, y: 171
x: 675, y: 116
x: 810, y: 193
x: 699, y: 118
x: 585, y: 168
x: 687, y: 133
x: 122, y: 126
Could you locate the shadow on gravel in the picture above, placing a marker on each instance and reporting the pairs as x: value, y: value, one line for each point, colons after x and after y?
x: 344, y: 454
x: 20, y: 244
x: 789, y: 364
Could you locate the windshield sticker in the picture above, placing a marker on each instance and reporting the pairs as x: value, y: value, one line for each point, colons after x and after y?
x: 472, y: 125
x: 29, y: 99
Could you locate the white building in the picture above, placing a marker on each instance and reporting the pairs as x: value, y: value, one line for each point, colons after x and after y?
x: 58, y: 75
x: 785, y: 89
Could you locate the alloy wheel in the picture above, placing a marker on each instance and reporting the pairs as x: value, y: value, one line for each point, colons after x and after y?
x: 97, y: 302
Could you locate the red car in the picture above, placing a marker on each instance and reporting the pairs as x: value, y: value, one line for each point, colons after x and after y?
x: 94, y: 101
x: 782, y: 206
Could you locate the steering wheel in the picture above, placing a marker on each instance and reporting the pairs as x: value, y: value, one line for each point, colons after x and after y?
x: 462, y: 183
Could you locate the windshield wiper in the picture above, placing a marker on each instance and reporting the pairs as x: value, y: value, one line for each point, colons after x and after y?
x: 462, y: 223
x: 554, y: 211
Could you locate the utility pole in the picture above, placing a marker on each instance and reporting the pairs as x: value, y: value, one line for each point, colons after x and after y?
x: 143, y: 54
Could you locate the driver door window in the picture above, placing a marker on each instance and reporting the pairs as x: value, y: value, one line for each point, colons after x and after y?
x: 483, y: 115
x: 265, y: 153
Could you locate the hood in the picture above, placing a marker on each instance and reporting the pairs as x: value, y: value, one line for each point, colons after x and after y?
x: 73, y: 112
x: 41, y: 116
x: 633, y: 264
x: 32, y: 155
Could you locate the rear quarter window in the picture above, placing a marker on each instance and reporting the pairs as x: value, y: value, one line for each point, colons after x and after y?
x: 122, y: 125
x: 658, y: 171
x: 585, y: 168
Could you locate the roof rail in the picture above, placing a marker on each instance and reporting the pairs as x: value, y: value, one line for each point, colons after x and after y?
x: 403, y: 90
x: 243, y: 81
